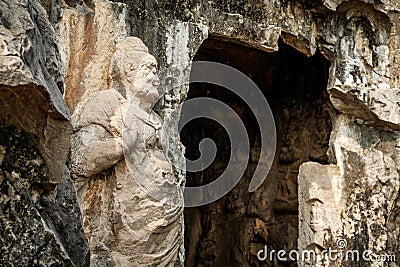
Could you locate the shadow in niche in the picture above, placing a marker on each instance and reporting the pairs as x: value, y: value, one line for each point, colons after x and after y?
x: 230, y: 231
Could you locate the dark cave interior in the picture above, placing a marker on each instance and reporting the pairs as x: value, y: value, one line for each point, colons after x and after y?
x: 230, y: 231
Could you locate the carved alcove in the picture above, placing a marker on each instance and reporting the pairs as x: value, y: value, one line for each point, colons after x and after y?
x: 230, y: 231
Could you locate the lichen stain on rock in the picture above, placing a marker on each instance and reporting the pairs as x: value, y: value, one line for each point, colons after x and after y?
x: 81, y: 50
x: 88, y: 39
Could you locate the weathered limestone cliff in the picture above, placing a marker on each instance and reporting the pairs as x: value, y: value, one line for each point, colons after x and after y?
x: 40, y: 219
x: 329, y: 70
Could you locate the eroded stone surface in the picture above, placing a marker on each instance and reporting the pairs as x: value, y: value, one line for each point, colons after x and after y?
x: 88, y: 38
x: 233, y: 229
x: 321, y: 199
x: 40, y: 220
x: 31, y: 78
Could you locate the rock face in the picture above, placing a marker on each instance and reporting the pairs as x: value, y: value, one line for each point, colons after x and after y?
x: 88, y: 38
x: 40, y: 220
x: 329, y: 68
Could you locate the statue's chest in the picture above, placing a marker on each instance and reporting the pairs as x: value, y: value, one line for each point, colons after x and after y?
x: 152, y: 133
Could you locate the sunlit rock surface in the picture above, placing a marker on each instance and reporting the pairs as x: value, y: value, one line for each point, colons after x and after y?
x: 40, y: 220
x: 337, y: 160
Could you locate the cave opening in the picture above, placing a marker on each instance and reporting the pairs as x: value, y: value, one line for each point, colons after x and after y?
x: 231, y: 230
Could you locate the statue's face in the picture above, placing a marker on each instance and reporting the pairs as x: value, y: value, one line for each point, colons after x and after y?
x: 316, y: 215
x: 147, y: 81
x: 135, y: 70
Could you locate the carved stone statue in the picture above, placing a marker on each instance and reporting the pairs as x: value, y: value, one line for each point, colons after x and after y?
x: 116, y: 145
x: 319, y: 218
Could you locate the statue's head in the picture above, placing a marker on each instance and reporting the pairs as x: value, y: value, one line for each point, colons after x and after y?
x: 135, y: 70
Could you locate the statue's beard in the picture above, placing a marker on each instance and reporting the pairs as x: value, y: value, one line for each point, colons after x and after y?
x: 145, y: 98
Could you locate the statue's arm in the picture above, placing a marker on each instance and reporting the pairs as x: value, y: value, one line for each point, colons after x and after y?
x: 97, y: 156
x: 98, y: 144
x: 94, y: 151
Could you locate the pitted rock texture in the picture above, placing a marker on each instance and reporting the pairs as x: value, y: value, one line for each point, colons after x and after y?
x: 40, y: 220
x: 60, y: 208
x: 31, y: 80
